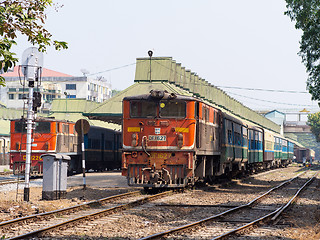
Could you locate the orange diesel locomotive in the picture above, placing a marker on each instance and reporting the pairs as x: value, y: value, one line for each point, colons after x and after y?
x: 173, y: 140
x: 158, y: 139
x: 49, y: 136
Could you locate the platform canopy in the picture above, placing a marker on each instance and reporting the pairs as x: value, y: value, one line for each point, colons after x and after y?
x: 168, y: 75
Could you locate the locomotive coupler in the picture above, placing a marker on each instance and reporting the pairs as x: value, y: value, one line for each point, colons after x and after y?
x: 153, y: 176
x: 166, y: 175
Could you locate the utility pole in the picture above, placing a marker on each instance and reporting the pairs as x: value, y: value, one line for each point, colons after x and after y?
x: 31, y: 63
x: 150, y: 55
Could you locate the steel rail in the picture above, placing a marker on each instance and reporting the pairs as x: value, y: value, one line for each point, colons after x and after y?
x: 102, y: 212
x: 276, y: 213
x: 294, y: 197
x: 8, y: 181
x: 158, y: 235
x: 17, y: 220
x: 14, y: 181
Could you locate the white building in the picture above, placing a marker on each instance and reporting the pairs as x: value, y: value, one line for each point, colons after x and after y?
x: 53, y: 85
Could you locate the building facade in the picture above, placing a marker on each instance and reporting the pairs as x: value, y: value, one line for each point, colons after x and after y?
x: 52, y: 85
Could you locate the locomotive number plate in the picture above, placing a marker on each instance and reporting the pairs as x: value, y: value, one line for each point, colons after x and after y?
x: 157, y: 138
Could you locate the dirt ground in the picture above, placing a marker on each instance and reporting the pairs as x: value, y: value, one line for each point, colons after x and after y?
x: 301, y: 222
x: 13, y: 206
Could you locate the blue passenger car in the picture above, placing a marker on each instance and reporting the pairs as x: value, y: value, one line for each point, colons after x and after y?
x: 103, y: 149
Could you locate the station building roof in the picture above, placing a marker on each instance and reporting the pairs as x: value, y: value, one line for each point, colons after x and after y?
x: 168, y: 75
x: 73, y: 109
x: 45, y: 73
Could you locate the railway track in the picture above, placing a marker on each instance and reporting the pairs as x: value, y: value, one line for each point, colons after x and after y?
x: 9, y: 181
x: 236, y: 219
x: 39, y: 224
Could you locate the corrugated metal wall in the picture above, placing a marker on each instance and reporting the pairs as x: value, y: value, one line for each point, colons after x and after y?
x: 167, y: 70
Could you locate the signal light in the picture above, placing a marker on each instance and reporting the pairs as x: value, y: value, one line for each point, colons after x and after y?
x: 36, y: 100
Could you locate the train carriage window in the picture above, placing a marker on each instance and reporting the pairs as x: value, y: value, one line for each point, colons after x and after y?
x: 229, y: 136
x: 58, y: 127
x: 143, y: 109
x: 196, y: 110
x: 205, y: 113
x: 65, y: 128
x: 237, y: 138
x: 173, y: 108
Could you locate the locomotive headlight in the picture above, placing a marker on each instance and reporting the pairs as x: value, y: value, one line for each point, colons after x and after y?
x: 180, y: 140
x: 134, y: 140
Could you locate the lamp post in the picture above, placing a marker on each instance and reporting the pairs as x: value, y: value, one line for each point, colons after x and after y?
x: 66, y: 94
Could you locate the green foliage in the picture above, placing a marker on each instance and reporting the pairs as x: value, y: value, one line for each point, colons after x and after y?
x: 306, y: 14
x: 115, y: 92
x: 308, y: 140
x: 28, y: 18
x: 314, y: 123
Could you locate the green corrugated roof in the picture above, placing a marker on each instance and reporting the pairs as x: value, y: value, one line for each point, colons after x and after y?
x: 74, y: 117
x: 72, y: 105
x: 5, y: 127
x: 168, y: 75
x: 75, y: 109
x: 9, y: 113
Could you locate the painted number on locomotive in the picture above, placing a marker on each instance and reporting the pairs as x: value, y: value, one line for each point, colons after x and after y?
x: 155, y: 155
x: 33, y: 158
x: 157, y: 138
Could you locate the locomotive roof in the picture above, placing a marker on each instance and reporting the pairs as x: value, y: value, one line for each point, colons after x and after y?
x: 44, y: 119
x: 165, y: 96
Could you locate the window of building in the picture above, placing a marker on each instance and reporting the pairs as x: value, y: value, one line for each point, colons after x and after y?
x: 71, y: 86
x: 11, y: 96
x: 23, y: 96
x: 71, y: 96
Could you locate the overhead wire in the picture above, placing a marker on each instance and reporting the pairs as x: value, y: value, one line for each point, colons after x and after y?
x: 255, y: 89
x: 91, y: 74
x: 263, y: 100
x: 261, y: 89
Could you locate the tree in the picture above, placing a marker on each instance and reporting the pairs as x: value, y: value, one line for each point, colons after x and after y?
x: 115, y: 92
x: 306, y: 14
x: 28, y: 18
x: 314, y: 123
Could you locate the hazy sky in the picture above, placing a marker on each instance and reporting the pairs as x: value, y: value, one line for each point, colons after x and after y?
x: 230, y: 43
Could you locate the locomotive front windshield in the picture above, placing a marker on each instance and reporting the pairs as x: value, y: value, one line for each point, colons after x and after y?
x: 40, y: 127
x: 143, y: 109
x: 171, y: 108
x: 149, y: 109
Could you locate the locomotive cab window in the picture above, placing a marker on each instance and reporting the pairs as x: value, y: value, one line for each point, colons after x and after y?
x: 172, y: 109
x: 40, y: 127
x: 20, y: 127
x: 144, y: 109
